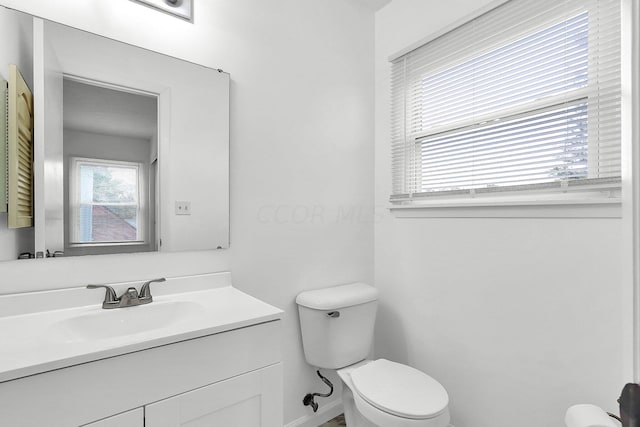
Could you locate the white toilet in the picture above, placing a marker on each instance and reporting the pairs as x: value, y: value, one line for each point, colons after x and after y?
x: 337, y: 333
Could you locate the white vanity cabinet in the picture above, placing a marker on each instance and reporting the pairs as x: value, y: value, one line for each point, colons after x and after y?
x: 201, y: 354
x: 232, y: 378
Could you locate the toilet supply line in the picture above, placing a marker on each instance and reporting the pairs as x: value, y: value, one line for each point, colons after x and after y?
x: 309, y: 398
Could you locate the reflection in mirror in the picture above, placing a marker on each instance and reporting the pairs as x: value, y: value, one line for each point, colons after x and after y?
x: 188, y: 156
x: 111, y: 156
x: 129, y: 164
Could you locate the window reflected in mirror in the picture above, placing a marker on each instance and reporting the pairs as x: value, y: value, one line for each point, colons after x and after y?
x: 106, y: 202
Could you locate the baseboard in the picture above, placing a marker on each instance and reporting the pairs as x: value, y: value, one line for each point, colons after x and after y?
x: 324, y: 414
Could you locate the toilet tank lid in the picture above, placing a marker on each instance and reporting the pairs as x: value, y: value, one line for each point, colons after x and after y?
x: 337, y: 296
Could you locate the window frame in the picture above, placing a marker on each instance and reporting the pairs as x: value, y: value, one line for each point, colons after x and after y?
x: 558, y: 193
x: 74, y: 203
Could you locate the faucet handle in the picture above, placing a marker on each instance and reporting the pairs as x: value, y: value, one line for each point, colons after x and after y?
x: 145, y: 290
x: 110, y: 295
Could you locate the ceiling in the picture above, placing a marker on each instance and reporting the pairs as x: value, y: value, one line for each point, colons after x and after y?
x: 109, y: 112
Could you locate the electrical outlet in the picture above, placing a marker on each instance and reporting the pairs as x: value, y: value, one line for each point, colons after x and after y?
x: 183, y: 208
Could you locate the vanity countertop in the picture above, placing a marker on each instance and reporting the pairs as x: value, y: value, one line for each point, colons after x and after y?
x: 39, y: 341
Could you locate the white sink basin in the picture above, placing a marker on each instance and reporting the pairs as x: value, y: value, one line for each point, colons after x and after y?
x: 120, y: 322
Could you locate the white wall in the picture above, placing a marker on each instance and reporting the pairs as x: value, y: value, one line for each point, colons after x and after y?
x: 517, y: 317
x: 301, y: 156
x: 17, y: 48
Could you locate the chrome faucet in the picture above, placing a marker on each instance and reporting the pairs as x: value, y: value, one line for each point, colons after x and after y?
x: 129, y: 298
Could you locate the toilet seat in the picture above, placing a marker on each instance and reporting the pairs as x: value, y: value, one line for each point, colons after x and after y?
x: 399, y: 390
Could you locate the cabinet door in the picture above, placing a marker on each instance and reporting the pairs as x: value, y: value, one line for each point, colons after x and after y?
x: 133, y: 418
x: 250, y: 400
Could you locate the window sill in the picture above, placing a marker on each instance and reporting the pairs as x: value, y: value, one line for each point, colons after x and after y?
x: 107, y: 244
x: 511, y: 208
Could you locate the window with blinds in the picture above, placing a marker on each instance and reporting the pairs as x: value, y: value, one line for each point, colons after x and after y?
x: 526, y: 97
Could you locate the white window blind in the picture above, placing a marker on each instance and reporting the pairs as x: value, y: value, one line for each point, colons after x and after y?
x: 524, y: 97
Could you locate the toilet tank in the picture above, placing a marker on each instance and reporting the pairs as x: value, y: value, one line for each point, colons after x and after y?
x: 337, y: 324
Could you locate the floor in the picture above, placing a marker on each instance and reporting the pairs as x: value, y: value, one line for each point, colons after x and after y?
x: 336, y: 422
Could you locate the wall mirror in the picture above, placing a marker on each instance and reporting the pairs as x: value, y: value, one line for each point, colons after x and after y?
x: 131, y: 149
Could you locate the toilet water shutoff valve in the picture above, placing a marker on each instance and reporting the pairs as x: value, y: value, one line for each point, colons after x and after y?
x: 309, y: 398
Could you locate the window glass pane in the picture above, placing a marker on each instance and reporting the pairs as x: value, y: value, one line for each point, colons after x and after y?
x: 108, y: 223
x: 542, y: 64
x: 537, y: 148
x: 108, y: 208
x: 109, y: 184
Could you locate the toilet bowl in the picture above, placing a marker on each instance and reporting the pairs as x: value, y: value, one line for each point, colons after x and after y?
x: 337, y: 333
x: 389, y: 394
